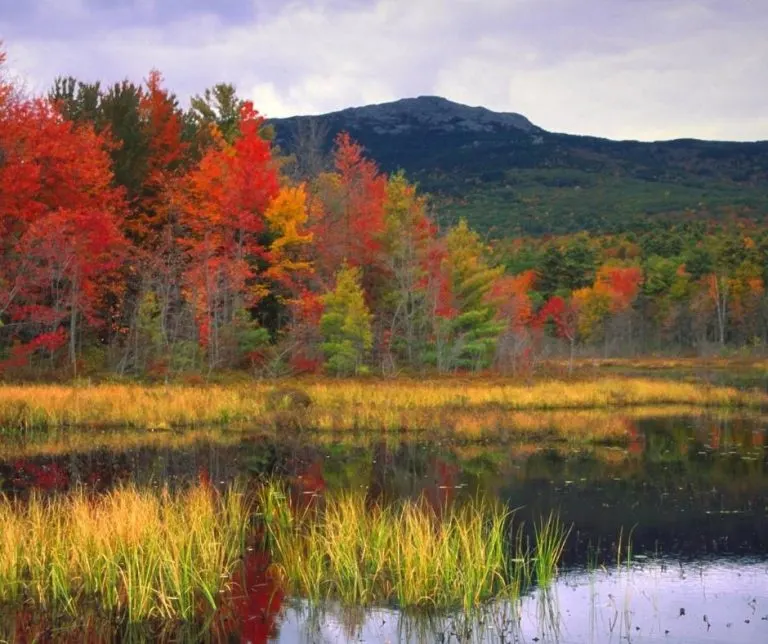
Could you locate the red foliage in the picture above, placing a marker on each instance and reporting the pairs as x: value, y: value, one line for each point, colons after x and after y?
x: 301, y: 363
x: 562, y: 314
x: 46, y: 477
x: 437, y: 282
x: 353, y: 220
x: 60, y: 219
x: 253, y: 603
x: 20, y: 353
x: 224, y: 215
x: 162, y: 124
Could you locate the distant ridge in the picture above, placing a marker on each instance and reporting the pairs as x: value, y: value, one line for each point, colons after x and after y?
x: 509, y: 176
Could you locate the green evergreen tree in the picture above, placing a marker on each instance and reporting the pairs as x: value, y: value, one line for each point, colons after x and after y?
x: 468, y: 340
x: 346, y: 324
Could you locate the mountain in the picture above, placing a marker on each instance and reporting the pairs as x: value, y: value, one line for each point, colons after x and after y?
x: 506, y: 175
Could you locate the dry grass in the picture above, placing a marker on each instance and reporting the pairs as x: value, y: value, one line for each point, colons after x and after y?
x: 474, y: 405
x: 140, y: 554
x: 84, y: 440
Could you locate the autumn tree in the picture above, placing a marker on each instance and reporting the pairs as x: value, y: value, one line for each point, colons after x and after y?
x: 564, y: 316
x: 227, y: 197
x: 60, y: 220
x: 514, y: 308
x: 351, y: 221
x: 612, y: 294
x: 286, y: 217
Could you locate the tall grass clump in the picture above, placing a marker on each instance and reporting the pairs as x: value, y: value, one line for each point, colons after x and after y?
x: 138, y: 554
x: 550, y: 537
x: 406, y: 554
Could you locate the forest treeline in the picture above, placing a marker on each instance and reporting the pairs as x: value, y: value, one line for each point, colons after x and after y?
x: 146, y: 239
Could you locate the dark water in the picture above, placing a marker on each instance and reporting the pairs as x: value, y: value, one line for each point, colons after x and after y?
x: 690, y: 495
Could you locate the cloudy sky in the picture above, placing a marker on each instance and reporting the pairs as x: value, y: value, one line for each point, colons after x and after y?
x: 641, y: 69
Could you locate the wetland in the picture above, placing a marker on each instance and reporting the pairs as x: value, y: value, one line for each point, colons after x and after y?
x: 658, y: 528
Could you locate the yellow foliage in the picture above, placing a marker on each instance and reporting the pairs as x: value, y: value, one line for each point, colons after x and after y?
x: 286, y: 216
x: 593, y: 305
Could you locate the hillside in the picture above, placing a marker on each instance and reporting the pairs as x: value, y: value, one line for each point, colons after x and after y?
x: 506, y: 175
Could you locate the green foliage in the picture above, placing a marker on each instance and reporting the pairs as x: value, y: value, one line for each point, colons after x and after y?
x: 220, y: 106
x: 119, y: 111
x: 468, y: 340
x: 565, y: 269
x: 149, y: 325
x: 116, y: 109
x: 512, y: 180
x: 186, y: 355
x: 698, y: 262
x: 659, y: 275
x: 346, y: 324
x: 249, y: 335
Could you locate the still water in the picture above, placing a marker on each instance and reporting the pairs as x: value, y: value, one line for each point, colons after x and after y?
x: 688, y: 494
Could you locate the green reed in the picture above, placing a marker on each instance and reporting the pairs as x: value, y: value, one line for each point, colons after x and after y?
x: 405, y: 554
x: 550, y: 537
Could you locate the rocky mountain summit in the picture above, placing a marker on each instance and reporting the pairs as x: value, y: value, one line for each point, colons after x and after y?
x: 431, y: 112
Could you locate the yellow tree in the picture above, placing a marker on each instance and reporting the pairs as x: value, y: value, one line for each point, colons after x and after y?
x: 286, y: 217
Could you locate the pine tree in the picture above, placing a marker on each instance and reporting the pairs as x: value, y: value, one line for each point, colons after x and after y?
x: 466, y: 338
x: 346, y: 324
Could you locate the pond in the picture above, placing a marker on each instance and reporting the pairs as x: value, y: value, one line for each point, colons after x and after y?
x: 668, y: 540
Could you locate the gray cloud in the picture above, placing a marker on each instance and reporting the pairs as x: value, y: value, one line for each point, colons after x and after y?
x: 620, y: 68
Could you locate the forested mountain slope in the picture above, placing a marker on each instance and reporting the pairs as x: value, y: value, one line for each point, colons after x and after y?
x: 506, y: 175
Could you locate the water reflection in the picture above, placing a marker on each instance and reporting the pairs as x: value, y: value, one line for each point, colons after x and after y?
x: 693, y: 490
x: 690, y: 486
x: 655, y: 602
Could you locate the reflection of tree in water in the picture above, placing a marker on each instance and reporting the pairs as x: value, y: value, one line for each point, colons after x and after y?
x: 252, y: 606
x: 412, y: 470
x: 691, y: 484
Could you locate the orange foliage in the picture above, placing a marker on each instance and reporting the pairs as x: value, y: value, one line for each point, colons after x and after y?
x: 510, y: 292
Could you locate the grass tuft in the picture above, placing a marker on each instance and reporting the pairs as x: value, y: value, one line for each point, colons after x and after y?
x: 550, y: 537
x: 140, y: 554
x: 405, y: 554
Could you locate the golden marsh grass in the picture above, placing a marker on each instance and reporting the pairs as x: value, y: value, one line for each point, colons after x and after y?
x: 473, y: 405
x: 569, y: 427
x: 139, y: 554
